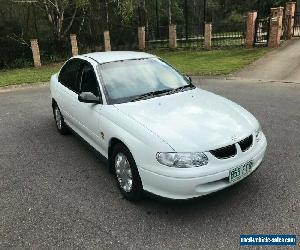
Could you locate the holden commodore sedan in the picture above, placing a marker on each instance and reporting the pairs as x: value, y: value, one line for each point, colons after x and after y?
x: 159, y: 132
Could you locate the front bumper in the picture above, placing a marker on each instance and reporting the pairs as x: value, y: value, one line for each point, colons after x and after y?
x: 186, y: 188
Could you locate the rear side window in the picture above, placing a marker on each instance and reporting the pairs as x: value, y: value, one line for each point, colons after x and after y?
x: 69, y: 75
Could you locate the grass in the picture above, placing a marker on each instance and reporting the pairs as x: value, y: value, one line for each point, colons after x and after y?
x: 191, y: 62
x: 27, y: 75
x: 215, y: 62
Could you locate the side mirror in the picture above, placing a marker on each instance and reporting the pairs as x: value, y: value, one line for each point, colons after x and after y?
x: 88, y: 97
x: 188, y: 78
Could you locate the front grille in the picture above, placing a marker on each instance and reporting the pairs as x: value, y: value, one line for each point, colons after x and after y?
x: 223, y: 153
x: 246, y: 143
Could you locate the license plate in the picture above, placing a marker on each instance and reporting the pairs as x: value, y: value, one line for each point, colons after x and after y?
x: 240, y: 172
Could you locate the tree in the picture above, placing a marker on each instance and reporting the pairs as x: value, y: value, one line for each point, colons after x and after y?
x: 59, y: 13
x: 170, y: 11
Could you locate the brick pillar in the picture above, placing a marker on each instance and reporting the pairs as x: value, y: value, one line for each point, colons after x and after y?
x: 290, y: 15
x: 141, y: 35
x: 275, y: 27
x: 107, y: 46
x: 207, y: 36
x: 250, y: 32
x: 74, y: 44
x: 172, y: 36
x: 36, y: 53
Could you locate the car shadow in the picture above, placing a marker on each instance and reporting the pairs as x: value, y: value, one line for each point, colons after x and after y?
x: 209, y: 205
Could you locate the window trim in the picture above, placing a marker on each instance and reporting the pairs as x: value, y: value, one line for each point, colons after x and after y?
x: 95, y: 64
x: 98, y: 67
x: 86, y: 63
x: 87, y: 60
x: 60, y: 71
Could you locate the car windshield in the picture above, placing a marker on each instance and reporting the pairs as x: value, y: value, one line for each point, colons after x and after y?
x: 130, y: 80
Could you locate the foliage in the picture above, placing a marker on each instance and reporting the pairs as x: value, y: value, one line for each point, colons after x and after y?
x: 188, y: 62
x: 27, y: 75
x: 215, y: 62
x: 51, y: 21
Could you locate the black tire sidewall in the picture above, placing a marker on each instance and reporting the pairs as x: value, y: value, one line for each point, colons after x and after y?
x: 137, y: 187
x: 64, y: 129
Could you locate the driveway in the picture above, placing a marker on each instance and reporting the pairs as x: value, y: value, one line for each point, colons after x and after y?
x: 55, y: 192
x: 282, y: 64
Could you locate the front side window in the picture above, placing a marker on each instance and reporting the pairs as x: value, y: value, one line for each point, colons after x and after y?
x: 125, y: 80
x: 89, y: 81
x: 69, y: 74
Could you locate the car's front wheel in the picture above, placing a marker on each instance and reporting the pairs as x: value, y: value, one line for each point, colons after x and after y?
x: 126, y: 173
x: 59, y: 120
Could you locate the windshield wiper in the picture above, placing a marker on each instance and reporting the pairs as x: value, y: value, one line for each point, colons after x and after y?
x: 159, y: 92
x: 150, y: 94
x: 190, y: 86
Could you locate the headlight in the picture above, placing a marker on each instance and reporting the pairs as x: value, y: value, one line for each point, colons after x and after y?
x: 258, y: 134
x: 182, y: 160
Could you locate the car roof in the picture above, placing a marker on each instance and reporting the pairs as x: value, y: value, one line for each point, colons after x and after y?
x: 112, y: 56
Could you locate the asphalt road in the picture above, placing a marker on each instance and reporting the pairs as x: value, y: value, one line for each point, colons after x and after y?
x: 56, y: 193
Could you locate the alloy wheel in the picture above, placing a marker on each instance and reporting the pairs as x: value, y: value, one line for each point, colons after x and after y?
x: 123, y: 172
x: 58, y: 118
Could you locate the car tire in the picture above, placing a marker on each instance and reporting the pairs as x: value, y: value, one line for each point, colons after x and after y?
x: 126, y: 173
x: 59, y: 121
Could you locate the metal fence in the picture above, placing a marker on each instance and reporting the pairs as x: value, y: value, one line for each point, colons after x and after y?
x: 194, y: 38
x: 157, y: 37
x: 191, y: 37
x: 296, y: 30
x: 262, y: 29
x: 228, y: 39
x: 90, y: 43
x: 54, y: 51
x: 124, y: 38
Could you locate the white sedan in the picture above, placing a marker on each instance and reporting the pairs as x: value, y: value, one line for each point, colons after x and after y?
x: 159, y: 132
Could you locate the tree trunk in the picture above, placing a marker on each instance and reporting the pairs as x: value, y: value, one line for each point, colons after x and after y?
x: 146, y: 14
x: 170, y: 11
x: 107, y: 15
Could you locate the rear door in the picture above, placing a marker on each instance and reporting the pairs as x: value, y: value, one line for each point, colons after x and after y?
x: 69, y: 79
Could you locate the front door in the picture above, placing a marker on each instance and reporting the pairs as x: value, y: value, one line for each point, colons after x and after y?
x: 89, y: 114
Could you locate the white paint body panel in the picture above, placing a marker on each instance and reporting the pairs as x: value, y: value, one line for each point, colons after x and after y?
x: 192, y: 121
x: 189, y: 121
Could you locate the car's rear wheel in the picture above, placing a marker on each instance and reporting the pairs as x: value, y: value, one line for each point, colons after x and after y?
x: 126, y: 173
x: 59, y: 121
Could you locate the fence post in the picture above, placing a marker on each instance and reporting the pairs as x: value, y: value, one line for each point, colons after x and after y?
x: 207, y: 36
x: 172, y: 36
x: 141, y: 35
x: 275, y: 27
x: 74, y: 44
x: 107, y: 46
x: 250, y: 32
x: 290, y: 15
x: 36, y: 53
